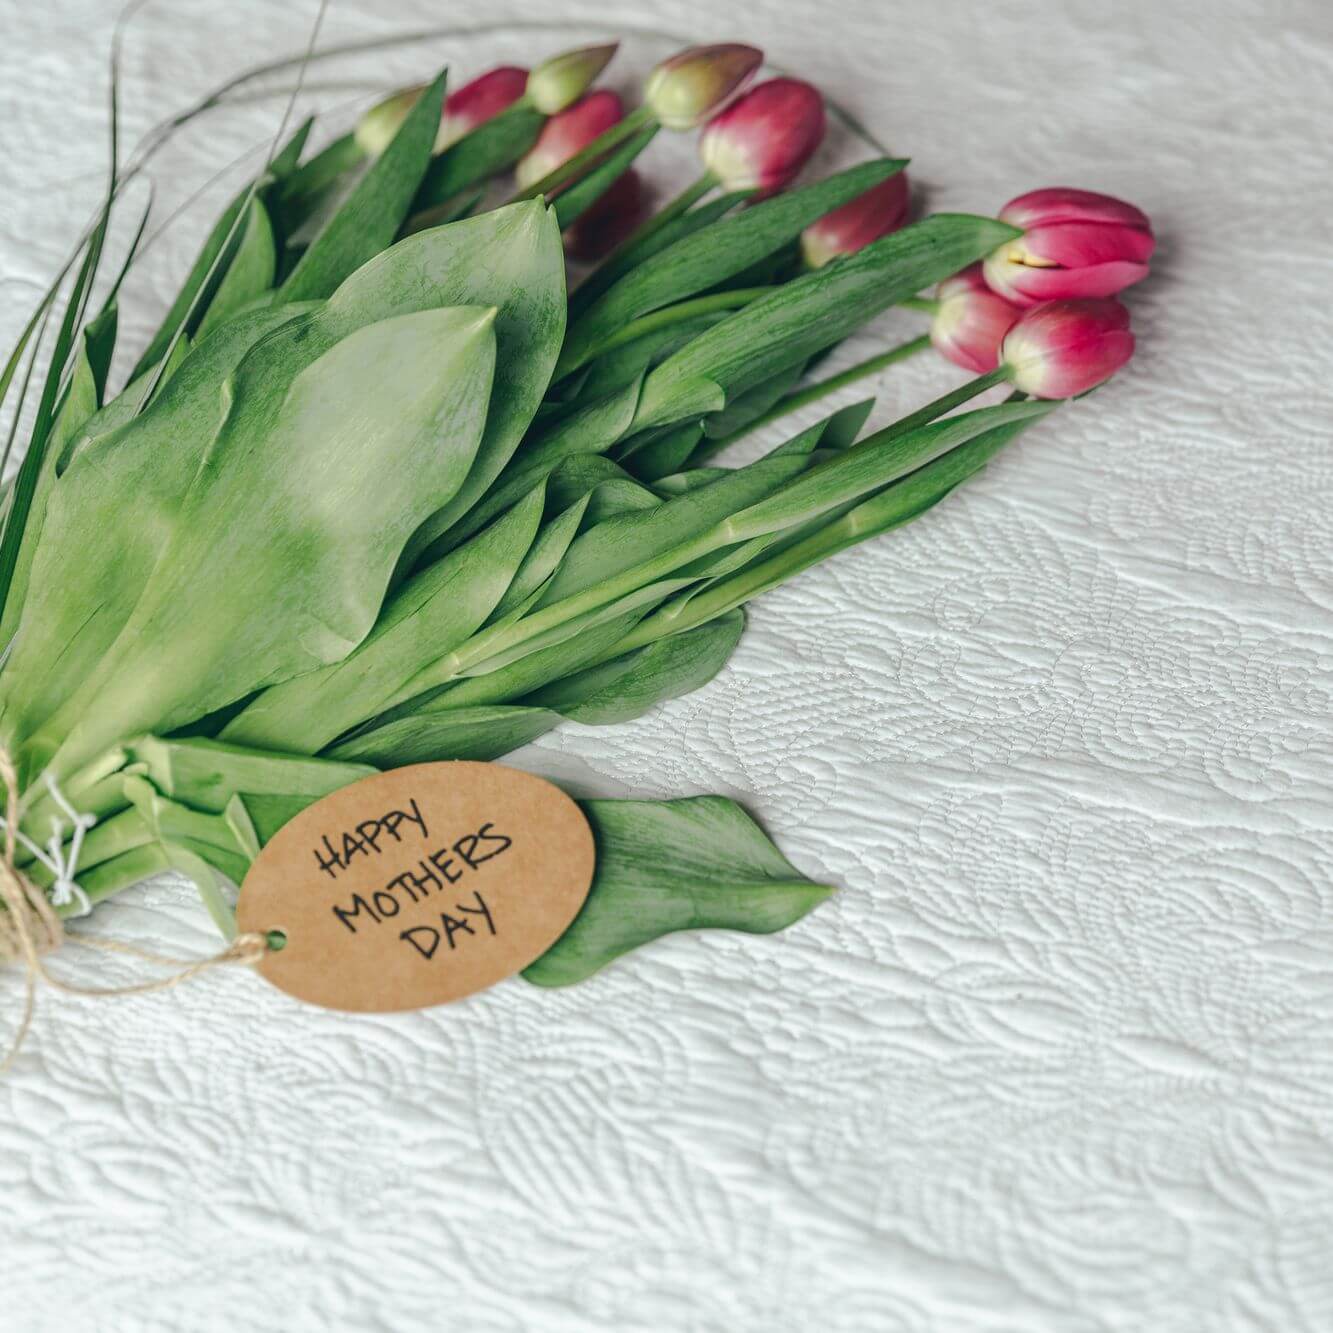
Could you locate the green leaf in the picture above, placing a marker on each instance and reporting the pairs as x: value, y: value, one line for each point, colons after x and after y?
x: 626, y: 363
x: 250, y: 273
x: 494, y: 146
x: 430, y: 614
x: 116, y: 464
x: 304, y: 572
x: 287, y: 158
x: 627, y: 686
x: 297, y: 195
x: 580, y: 475
x: 845, y: 525
x: 674, y: 865
x: 590, y: 430
x: 203, y: 279
x: 788, y: 326
x: 543, y: 557
x: 25, y: 483
x: 616, y: 266
x: 662, y: 454
x: 749, y: 406
x: 876, y: 461
x: 82, y: 400
x: 511, y: 259
x: 483, y: 733
x: 708, y: 256
x: 367, y: 223
x: 571, y: 204
x: 626, y: 541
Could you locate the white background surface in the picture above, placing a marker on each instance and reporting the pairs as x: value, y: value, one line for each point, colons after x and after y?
x: 1058, y: 1057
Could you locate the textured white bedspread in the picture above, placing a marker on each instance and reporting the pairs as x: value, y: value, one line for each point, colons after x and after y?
x: 1060, y: 1054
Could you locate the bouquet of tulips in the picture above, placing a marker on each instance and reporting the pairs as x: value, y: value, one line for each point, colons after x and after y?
x: 383, y: 488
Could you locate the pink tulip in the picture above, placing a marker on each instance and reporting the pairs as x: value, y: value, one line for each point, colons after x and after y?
x: 695, y: 84
x: 970, y: 321
x: 1064, y: 348
x: 762, y: 141
x: 479, y: 101
x: 568, y: 133
x: 598, y: 231
x: 880, y: 210
x: 1075, y: 243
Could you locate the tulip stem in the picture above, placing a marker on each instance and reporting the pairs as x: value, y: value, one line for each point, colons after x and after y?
x: 583, y: 161
x: 614, y: 265
x: 814, y: 392
x: 679, y: 313
x: 922, y: 303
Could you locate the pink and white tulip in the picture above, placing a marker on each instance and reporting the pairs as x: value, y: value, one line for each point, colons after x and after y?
x: 479, y: 101
x: 970, y: 321
x: 764, y: 138
x: 1065, y: 348
x: 569, y: 133
x: 692, y: 86
x: 1075, y: 244
x: 559, y: 82
x: 880, y: 210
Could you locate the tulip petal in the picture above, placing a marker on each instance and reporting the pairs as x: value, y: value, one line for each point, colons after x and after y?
x: 1078, y: 244
x: 969, y: 327
x: 762, y: 141
x: 1061, y: 204
x: 569, y: 133
x: 1064, y: 348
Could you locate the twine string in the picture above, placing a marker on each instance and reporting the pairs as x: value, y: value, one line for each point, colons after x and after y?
x: 30, y: 926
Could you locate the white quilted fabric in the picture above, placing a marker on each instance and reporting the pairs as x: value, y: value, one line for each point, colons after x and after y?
x: 1058, y: 1057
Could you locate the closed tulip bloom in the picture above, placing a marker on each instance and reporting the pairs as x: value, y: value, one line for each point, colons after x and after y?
x: 695, y: 84
x: 1075, y: 243
x: 880, y: 210
x: 763, y: 139
x: 1064, y: 348
x: 559, y: 82
x: 568, y: 133
x: 609, y: 220
x: 375, y: 130
x: 970, y: 321
x: 479, y: 101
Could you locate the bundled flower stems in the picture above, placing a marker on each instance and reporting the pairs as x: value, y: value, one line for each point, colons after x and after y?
x: 384, y: 489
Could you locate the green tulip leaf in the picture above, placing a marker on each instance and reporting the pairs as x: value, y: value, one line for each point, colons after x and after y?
x: 810, y: 313
x: 431, y: 613
x: 494, y: 146
x: 712, y: 254
x: 664, y: 866
x: 306, y: 569
x: 369, y: 219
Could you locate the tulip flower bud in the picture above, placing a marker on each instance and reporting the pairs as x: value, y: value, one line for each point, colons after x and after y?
x: 1064, y: 348
x: 1075, y: 243
x: 970, y: 321
x: 559, y: 82
x: 598, y: 231
x: 479, y: 101
x: 376, y: 128
x: 762, y: 140
x: 695, y: 84
x: 568, y: 133
x: 879, y: 211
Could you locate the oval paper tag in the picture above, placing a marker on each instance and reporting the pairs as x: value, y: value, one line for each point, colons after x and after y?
x: 418, y: 886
